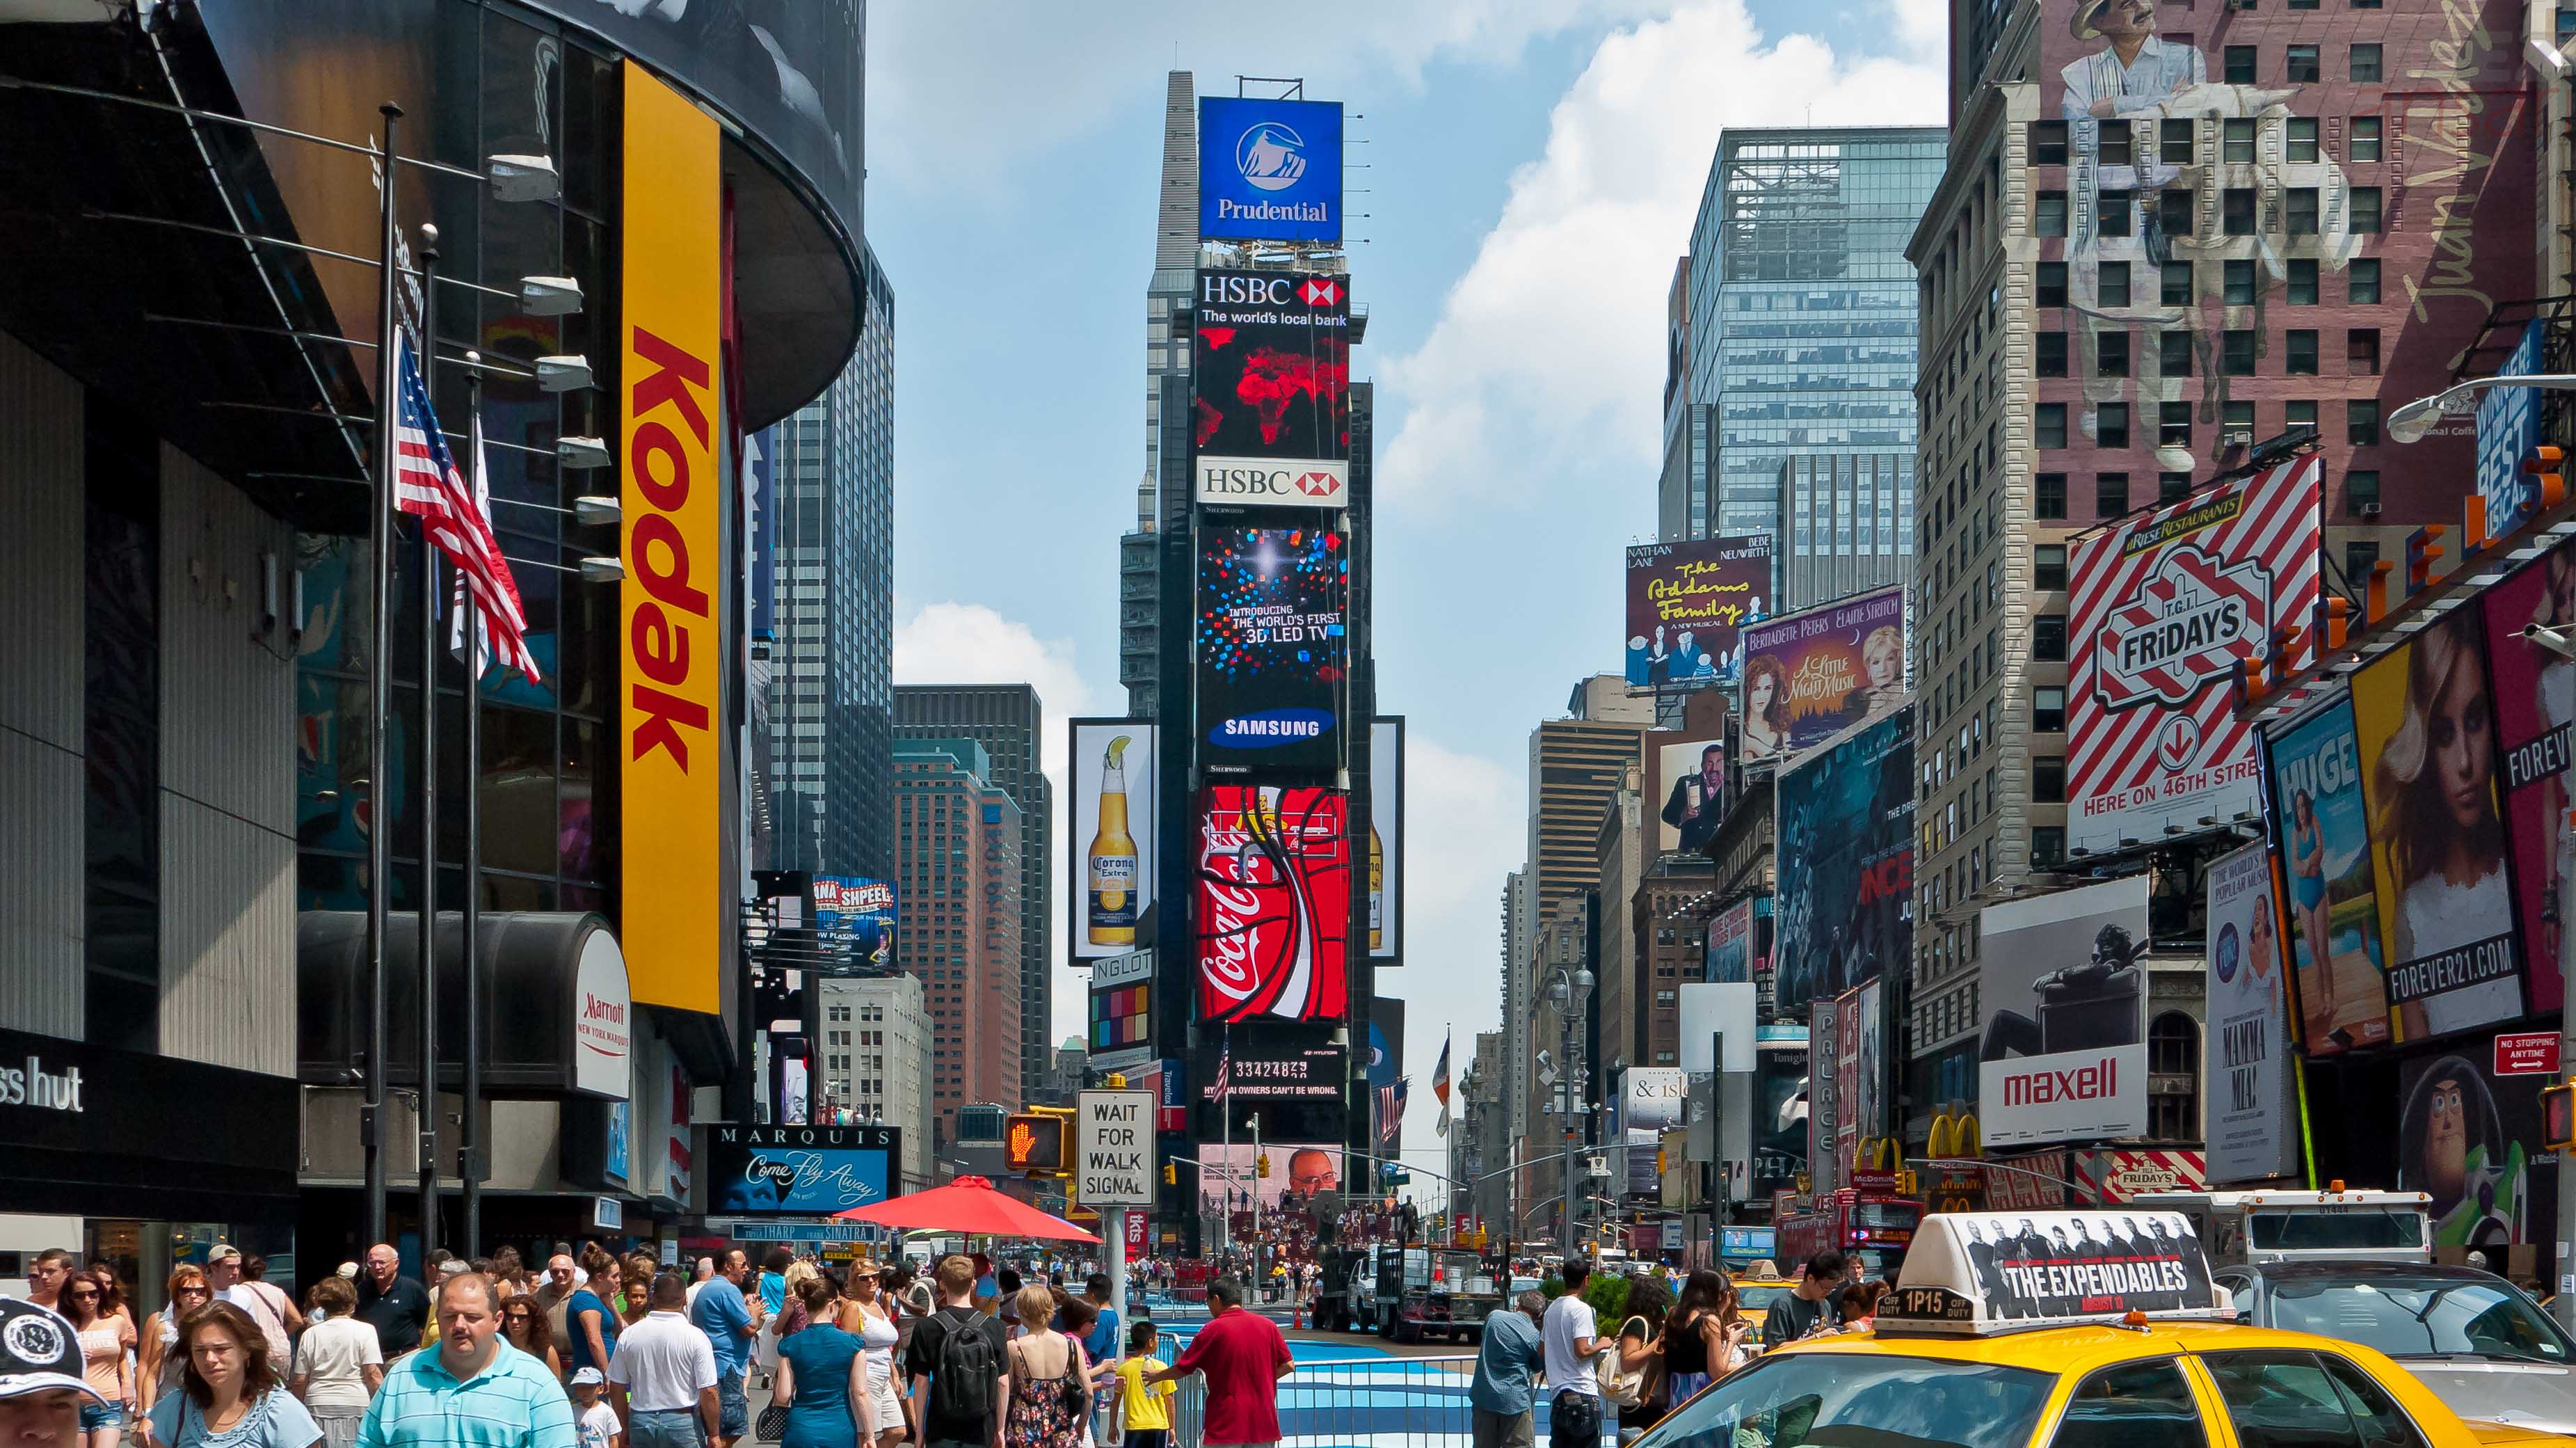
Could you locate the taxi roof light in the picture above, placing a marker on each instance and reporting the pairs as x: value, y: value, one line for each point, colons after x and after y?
x: 2135, y: 1319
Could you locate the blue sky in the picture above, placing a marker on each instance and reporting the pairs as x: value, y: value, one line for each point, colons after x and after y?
x: 1530, y: 170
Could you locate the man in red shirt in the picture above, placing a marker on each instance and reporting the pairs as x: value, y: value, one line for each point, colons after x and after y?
x: 1244, y: 1358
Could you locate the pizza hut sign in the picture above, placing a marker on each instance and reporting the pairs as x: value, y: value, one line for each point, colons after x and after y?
x: 2191, y: 620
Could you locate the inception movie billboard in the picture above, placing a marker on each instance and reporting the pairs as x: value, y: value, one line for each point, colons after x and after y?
x: 1844, y: 876
x: 1274, y: 904
x: 1272, y: 645
x: 1685, y: 603
x: 1270, y: 369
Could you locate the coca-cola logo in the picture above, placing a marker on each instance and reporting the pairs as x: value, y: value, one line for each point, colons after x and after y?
x: 1266, y: 857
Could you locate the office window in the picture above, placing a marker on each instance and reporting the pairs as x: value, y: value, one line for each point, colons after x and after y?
x: 2176, y: 288
x: 2361, y: 281
x: 2365, y: 62
x: 2358, y: 558
x: 2238, y: 418
x: 2364, y: 145
x: 2049, y: 422
x: 2361, y: 422
x: 2303, y: 281
x: 2236, y: 351
x: 2048, y: 638
x: 2050, y: 354
x: 2239, y: 60
x: 2048, y: 567
x: 2052, y: 284
x: 2173, y: 353
x: 2118, y: 143
x: 2170, y: 487
x: 2236, y: 211
x: 2301, y: 65
x: 2301, y: 213
x: 2048, y: 781
x: 2048, y: 711
x: 2110, y: 494
x: 2301, y: 352
x: 2303, y: 138
x: 2237, y: 283
x: 2111, y: 424
x: 2048, y: 143
x: 2177, y: 210
x: 2047, y: 846
x: 2111, y: 354
x: 2365, y: 209
x: 2115, y: 284
x: 2051, y: 214
x: 2361, y: 488
x: 2173, y: 424
x: 2173, y: 141
x: 2361, y: 352
x: 2236, y: 141
x: 2302, y: 413
x: 2048, y: 495
x: 2114, y: 212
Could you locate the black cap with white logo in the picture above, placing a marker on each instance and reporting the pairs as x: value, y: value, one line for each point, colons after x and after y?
x: 39, y: 1353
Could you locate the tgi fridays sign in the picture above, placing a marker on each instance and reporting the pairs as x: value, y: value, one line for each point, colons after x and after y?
x: 2108, y: 1178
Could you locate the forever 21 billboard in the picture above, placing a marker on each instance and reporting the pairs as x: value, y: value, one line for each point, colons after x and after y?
x: 1273, y: 644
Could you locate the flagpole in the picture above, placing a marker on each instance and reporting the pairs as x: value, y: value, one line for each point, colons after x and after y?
x: 469, y: 1132
x: 1225, y: 1115
x: 428, y: 777
x: 380, y: 644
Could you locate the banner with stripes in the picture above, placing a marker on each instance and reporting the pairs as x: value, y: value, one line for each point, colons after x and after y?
x: 2161, y: 608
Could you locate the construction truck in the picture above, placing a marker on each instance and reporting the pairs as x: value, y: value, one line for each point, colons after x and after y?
x: 1434, y: 1292
x: 2296, y: 1225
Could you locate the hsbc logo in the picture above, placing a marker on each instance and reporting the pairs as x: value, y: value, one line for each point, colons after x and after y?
x: 1321, y: 292
x: 1242, y: 290
x: 1274, y: 483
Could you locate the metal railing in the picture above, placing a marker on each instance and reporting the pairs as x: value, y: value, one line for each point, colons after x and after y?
x: 1393, y: 1402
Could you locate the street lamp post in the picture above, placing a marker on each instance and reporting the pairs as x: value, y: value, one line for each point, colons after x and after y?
x: 2411, y: 422
x: 1571, y: 990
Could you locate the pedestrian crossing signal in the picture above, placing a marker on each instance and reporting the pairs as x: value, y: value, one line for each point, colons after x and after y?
x: 2558, y: 1116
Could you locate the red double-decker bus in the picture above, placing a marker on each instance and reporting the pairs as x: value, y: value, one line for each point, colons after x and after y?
x: 1876, y: 1227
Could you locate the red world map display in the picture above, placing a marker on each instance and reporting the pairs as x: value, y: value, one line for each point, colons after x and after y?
x: 1274, y: 904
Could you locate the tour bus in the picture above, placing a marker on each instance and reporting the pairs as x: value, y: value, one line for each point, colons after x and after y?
x: 1873, y: 1226
x: 2297, y: 1225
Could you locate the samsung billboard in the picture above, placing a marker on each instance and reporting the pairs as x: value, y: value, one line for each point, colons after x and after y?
x: 1270, y: 170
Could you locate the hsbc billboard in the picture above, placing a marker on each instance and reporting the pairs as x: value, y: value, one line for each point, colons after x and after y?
x: 1269, y: 483
x: 1270, y: 370
x: 2162, y: 608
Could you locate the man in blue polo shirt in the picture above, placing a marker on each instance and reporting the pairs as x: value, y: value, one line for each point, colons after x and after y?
x: 731, y: 1325
x: 472, y: 1390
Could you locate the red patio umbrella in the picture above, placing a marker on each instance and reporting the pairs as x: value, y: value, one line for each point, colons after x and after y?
x: 971, y: 1206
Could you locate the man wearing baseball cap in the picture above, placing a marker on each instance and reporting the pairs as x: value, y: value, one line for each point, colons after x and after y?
x: 42, y: 1390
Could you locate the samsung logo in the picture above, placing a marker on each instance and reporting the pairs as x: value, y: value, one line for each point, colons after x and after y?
x: 1269, y: 728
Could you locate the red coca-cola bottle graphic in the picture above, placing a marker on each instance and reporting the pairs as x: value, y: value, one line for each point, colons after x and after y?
x: 1273, y: 896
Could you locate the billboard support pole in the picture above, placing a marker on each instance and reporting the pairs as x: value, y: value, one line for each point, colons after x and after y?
x: 2563, y: 1304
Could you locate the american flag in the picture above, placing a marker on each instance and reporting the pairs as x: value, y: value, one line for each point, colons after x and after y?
x: 428, y: 486
x: 1224, y: 1072
x: 1390, y: 1108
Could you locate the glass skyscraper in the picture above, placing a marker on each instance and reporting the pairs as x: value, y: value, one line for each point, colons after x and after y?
x: 827, y: 659
x: 1796, y: 326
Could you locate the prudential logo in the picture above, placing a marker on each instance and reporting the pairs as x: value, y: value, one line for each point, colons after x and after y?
x: 1270, y: 156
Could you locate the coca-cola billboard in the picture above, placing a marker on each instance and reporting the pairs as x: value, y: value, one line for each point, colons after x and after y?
x: 1274, y: 904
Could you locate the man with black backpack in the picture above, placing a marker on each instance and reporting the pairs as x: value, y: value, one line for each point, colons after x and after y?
x: 959, y: 1368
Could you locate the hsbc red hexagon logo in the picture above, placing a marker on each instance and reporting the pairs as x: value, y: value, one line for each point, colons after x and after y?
x: 2189, y: 622
x: 1316, y: 484
x: 1322, y: 292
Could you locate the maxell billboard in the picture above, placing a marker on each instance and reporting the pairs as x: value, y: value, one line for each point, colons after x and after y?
x: 2064, y: 1055
x: 2163, y: 607
x: 1270, y: 169
x: 1271, y: 483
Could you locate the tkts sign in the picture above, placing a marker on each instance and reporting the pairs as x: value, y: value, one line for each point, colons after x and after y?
x: 2163, y: 608
x: 1274, y: 904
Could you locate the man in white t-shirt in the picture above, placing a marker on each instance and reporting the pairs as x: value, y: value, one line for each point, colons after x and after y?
x: 1574, y: 1410
x: 664, y: 1370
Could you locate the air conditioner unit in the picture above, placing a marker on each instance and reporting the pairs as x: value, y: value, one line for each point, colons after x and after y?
x: 2236, y: 439
x: 2367, y: 510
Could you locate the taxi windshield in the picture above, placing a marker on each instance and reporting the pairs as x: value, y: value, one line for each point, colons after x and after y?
x: 2422, y: 1317
x: 1855, y: 1400
x: 1754, y: 1301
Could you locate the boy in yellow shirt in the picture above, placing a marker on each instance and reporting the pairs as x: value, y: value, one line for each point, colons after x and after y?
x: 1144, y: 1409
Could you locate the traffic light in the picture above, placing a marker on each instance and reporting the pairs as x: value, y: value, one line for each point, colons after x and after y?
x: 1261, y: 1166
x: 1171, y: 1173
x: 2558, y: 1116
x: 2548, y: 468
x: 1033, y: 1143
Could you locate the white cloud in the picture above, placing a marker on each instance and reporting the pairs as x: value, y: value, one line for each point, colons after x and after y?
x: 1465, y: 819
x: 959, y: 92
x: 1549, y: 352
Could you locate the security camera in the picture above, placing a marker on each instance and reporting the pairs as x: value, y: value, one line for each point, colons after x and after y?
x: 2559, y: 641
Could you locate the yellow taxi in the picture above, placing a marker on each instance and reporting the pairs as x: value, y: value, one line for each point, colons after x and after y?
x: 2068, y: 1330
x: 1754, y: 1295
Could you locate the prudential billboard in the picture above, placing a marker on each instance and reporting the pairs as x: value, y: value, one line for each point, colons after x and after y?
x: 1270, y: 170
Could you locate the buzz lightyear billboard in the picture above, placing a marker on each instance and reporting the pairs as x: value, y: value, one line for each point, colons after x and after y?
x: 2467, y: 1138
